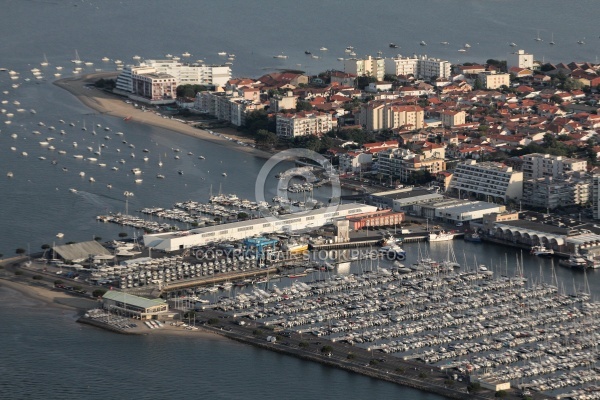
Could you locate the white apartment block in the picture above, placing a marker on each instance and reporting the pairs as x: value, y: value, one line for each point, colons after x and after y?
x: 538, y: 165
x: 378, y: 115
x: 422, y: 67
x: 485, y: 179
x: 520, y: 59
x: 550, y: 193
x: 492, y: 80
x: 303, y: 124
x: 366, y: 67
x: 184, y: 74
x: 228, y: 107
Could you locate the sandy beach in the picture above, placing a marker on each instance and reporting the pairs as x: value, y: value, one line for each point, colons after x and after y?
x: 113, y: 105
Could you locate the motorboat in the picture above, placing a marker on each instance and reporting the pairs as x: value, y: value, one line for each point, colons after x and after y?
x: 393, y: 45
x: 575, y: 261
x: 541, y: 251
x: 423, y: 43
x: 323, y: 49
x: 440, y: 236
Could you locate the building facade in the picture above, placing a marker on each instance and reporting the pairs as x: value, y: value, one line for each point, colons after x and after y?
x: 379, y: 114
x: 520, y: 59
x: 551, y: 193
x: 492, y: 80
x: 538, y: 165
x: 420, y: 67
x: 303, y: 124
x: 155, y: 86
x: 402, y: 164
x: 487, y: 179
x: 369, y: 66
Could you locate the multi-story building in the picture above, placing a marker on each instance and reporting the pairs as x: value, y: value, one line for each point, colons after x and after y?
x: 538, y: 165
x: 355, y: 161
x: 154, y: 86
x: 369, y: 66
x: 492, y: 80
x: 520, y: 59
x: 596, y: 196
x: 303, y: 124
x: 285, y: 102
x: 193, y: 74
x: 487, y: 180
x: 451, y: 118
x: 231, y: 107
x: 550, y: 193
x: 378, y: 115
x: 401, y: 164
x: 421, y: 67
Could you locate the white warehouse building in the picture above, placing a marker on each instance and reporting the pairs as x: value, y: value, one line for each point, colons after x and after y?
x: 255, y: 227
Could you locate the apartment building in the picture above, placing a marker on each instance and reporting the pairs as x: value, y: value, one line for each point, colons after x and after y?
x: 520, y: 59
x: 369, y: 66
x: 422, y: 67
x: 596, y: 196
x: 487, y: 179
x: 451, y: 118
x: 154, y: 87
x: 303, y: 124
x: 493, y: 80
x: 402, y: 163
x: 550, y: 193
x: 538, y: 165
x: 378, y: 115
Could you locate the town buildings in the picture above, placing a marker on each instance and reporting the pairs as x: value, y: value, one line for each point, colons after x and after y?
x: 303, y: 124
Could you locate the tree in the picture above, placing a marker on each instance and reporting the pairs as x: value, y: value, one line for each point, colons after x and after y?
x: 20, y: 251
x: 123, y: 235
x: 556, y: 99
x: 572, y: 84
x: 302, y: 105
x: 265, y: 138
x: 326, y: 349
x: 242, y: 215
x: 500, y: 394
x: 97, y: 238
x: 45, y: 246
x: 363, y: 81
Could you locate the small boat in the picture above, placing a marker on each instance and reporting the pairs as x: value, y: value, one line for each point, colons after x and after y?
x: 581, y: 42
x: 41, y: 158
x: 73, y: 190
x: 105, y: 59
x: 201, y: 157
x: 281, y: 56
x: 44, y: 63
x: 24, y: 154
x: 393, y: 45
x: 512, y: 44
x: 467, y: 46
x: 552, y: 43
x: 186, y: 54
x: 9, y: 174
x: 109, y: 186
x: 307, y: 52
x: 224, y: 174
x: 574, y: 261
x: 423, y: 43
x: 323, y: 49
x: 440, y: 236
x: 92, y: 179
x: 138, y: 181
x: 159, y: 176
x: 222, y: 53
x: 541, y: 251
x: 445, y: 43
x: 462, y: 50
x: 76, y: 60
x: 60, y: 235
x: 538, y: 38
x: 136, y: 57
x: 340, y: 58
x: 473, y: 237
x: 82, y: 174
x: 180, y: 172
x: 136, y: 171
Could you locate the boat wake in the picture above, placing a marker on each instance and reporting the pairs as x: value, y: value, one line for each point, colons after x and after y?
x: 95, y: 199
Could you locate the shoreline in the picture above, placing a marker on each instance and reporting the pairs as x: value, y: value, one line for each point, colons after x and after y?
x: 112, y: 105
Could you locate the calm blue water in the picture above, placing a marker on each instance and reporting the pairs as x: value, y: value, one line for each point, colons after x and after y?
x: 46, y: 353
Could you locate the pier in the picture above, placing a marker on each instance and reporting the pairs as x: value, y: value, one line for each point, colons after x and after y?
x: 211, y: 280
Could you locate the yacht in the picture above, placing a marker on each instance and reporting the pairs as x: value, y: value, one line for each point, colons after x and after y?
x: 574, y: 261
x: 440, y: 236
x: 541, y: 251
x: 393, y: 252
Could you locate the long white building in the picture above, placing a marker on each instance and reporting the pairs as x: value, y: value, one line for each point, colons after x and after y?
x: 184, y: 74
x: 255, y: 227
x: 487, y: 179
x: 422, y: 67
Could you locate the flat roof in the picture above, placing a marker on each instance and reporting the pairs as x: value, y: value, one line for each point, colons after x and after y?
x: 134, y: 300
x: 404, y: 194
x: 257, y: 221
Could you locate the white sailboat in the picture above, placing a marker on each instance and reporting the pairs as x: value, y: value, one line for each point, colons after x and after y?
x: 538, y: 38
x: 76, y: 60
x: 45, y: 62
x: 552, y: 43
